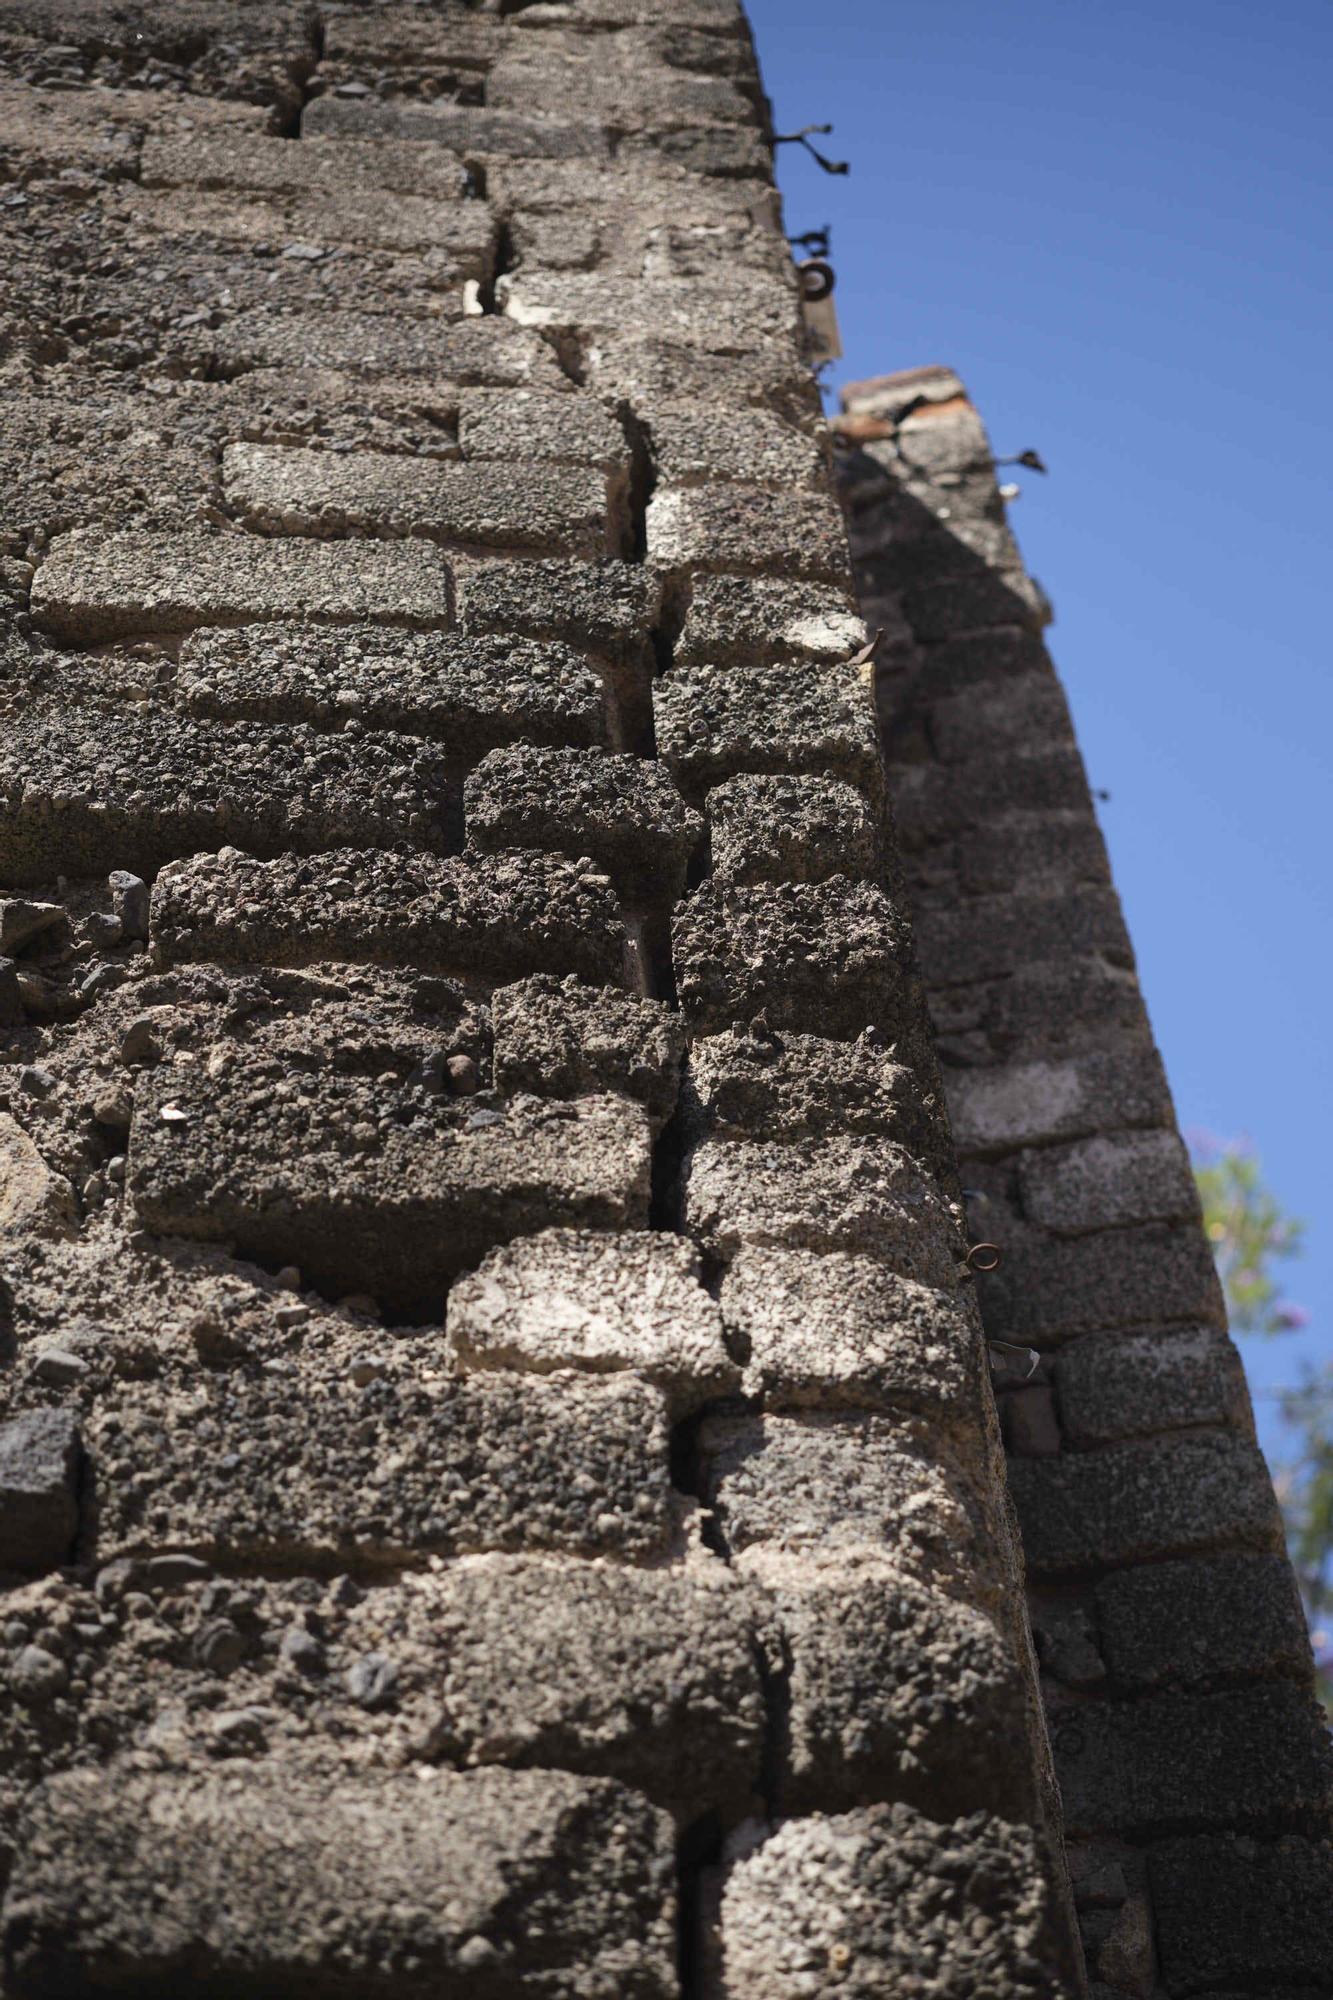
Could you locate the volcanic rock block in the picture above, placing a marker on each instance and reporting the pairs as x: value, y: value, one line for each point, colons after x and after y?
x: 488, y: 352
x: 39, y: 1509
x: 1107, y: 1182
x: 787, y: 829
x: 992, y: 937
x: 824, y: 1482
x: 714, y: 723
x: 596, y: 1303
x: 563, y: 509
x: 370, y: 1186
x: 1231, y: 1909
x: 486, y: 917
x: 306, y: 1879
x: 840, y: 1193
x: 691, y: 446
x: 747, y: 620
x: 896, y: 1691
x: 604, y: 607
x: 93, y: 586
x: 1090, y: 1510
x: 1249, y: 1757
x: 469, y: 694
x: 301, y: 1466
x: 465, y: 129
x: 622, y: 811
x: 1131, y: 1385
x: 524, y: 425
x: 886, y: 1901
x: 459, y: 236
x: 1189, y: 1623
x: 1117, y: 1278
x: 1028, y: 1103
x: 826, y: 958
x: 839, y: 1331
x: 275, y: 166
x: 755, y: 1083
x: 86, y: 791
x: 560, y: 1038
x: 735, y: 529
x: 649, y: 1676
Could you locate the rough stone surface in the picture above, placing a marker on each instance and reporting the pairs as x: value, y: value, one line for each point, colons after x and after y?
x: 569, y: 1299
x: 470, y: 694
x: 1190, y: 1623
x: 622, y: 811
x: 495, y: 1881
x: 831, y: 1331
x: 1231, y: 1907
x: 39, y: 1509
x: 494, y: 917
x: 560, y: 1038
x: 714, y: 723
x: 94, y: 588
x: 1088, y: 1510
x: 369, y: 1187
x: 829, y: 958
x: 884, y: 1900
x: 772, y: 829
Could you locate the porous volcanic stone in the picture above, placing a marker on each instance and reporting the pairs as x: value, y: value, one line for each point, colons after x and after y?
x: 560, y: 1038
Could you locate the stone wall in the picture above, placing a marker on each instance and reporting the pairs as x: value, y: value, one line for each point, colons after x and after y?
x: 500, y: 1490
x: 1193, y: 1762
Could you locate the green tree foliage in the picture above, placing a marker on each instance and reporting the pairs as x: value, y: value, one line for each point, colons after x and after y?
x: 1251, y: 1238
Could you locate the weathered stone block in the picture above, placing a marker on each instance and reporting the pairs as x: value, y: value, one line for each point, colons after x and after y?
x: 471, y: 694
x: 87, y: 789
x: 934, y: 802
x: 599, y: 1304
x: 989, y: 939
x: 466, y: 129
x: 560, y: 1038
x: 1109, y: 1181
x: 840, y: 1193
x: 561, y: 508
x: 300, y: 1466
x: 93, y: 586
x: 305, y: 1877
x: 1111, y: 1389
x: 1190, y: 1623
x: 1250, y: 1757
x: 1043, y: 1293
x: 622, y: 811
x: 1028, y: 1103
x: 39, y: 1509
x: 1033, y: 853
x: 604, y: 608
x: 1133, y: 1503
x: 831, y: 1483
x: 735, y: 529
x: 484, y: 353
x: 275, y: 166
x: 884, y: 1901
x: 369, y: 1185
x: 747, y: 620
x: 841, y: 1331
x: 490, y: 917
x: 459, y: 236
x: 525, y: 425
x: 828, y: 958
x: 790, y: 829
x: 1230, y: 1907
x: 897, y: 1692
x: 715, y: 723
x: 692, y: 446
x: 755, y: 1083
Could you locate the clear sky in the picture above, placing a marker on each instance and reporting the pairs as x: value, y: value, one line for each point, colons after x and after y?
x: 1114, y: 221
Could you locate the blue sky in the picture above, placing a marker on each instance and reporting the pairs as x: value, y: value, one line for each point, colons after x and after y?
x: 1114, y: 221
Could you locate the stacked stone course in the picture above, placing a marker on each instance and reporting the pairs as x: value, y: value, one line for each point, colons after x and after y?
x: 498, y: 1483
x: 500, y: 1490
x: 1193, y: 1763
